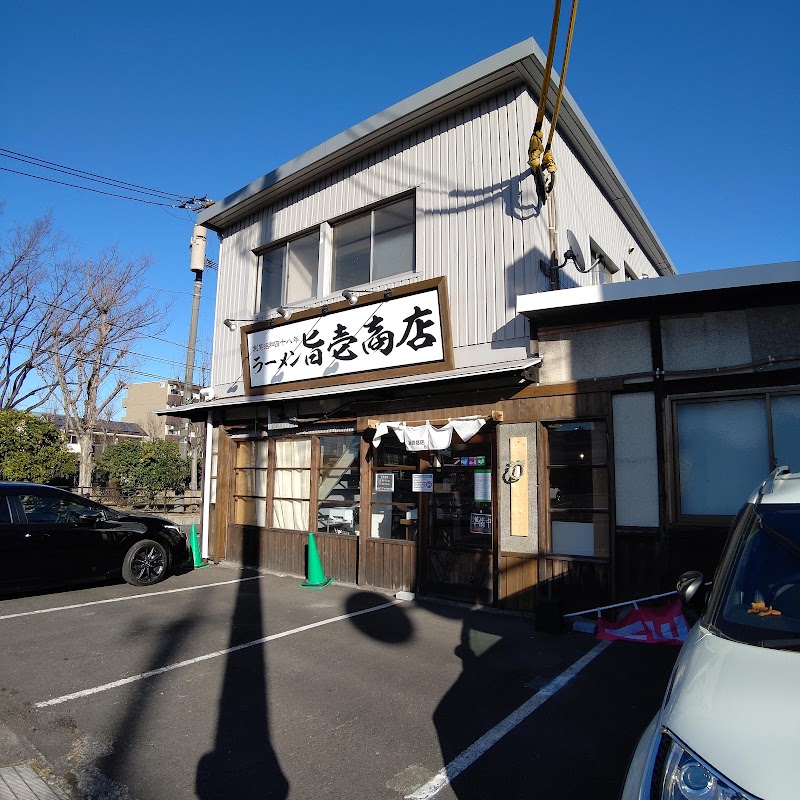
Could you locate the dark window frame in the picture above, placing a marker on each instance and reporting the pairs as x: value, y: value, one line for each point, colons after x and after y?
x: 411, y: 532
x: 593, y: 510
x: 677, y: 515
x: 285, y: 245
x: 315, y: 473
x: 370, y: 212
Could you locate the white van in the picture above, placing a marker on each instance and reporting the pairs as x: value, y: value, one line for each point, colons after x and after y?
x: 729, y: 726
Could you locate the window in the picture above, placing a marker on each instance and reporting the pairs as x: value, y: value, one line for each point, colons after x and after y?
x: 289, y: 273
x: 50, y: 508
x: 764, y: 569
x: 292, y: 484
x: 5, y: 511
x: 460, y: 507
x: 630, y: 273
x: 250, y: 483
x: 338, y: 484
x: 374, y: 246
x: 577, y: 483
x: 311, y: 478
x: 394, y: 504
x: 214, y: 464
x: 603, y: 268
x: 727, y: 446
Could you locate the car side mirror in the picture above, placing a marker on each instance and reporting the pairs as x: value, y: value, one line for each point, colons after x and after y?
x: 90, y: 516
x: 689, y: 589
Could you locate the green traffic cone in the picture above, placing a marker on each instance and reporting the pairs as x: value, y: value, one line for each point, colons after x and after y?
x: 316, y: 577
x: 198, y: 559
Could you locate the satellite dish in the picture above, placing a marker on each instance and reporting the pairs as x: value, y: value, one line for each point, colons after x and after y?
x: 575, y: 252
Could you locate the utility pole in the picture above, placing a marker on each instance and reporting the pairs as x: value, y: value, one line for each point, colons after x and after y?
x: 196, y: 264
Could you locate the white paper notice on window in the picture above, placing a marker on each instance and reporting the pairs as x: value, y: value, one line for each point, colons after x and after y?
x: 483, y: 486
x: 384, y: 481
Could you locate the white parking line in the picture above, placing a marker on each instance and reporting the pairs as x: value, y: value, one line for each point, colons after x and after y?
x: 469, y: 756
x: 149, y: 674
x: 129, y: 597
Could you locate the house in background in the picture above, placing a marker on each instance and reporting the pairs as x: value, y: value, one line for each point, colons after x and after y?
x: 374, y: 377
x: 144, y: 399
x: 106, y: 433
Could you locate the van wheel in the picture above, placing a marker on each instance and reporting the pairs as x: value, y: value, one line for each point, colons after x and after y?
x: 145, y: 563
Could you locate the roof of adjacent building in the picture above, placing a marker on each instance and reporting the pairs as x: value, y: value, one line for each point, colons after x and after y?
x: 521, y: 64
x: 102, y: 426
x: 710, y: 290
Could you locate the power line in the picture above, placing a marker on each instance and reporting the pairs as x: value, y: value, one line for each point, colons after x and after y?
x: 78, y: 359
x: 190, y: 203
x: 89, y: 188
x: 123, y: 369
x: 91, y: 176
x: 74, y: 313
x: 145, y: 356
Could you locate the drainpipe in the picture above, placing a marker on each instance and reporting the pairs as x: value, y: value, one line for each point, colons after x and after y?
x: 206, y: 519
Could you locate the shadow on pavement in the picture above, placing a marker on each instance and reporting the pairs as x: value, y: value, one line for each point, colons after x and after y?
x: 391, y: 626
x: 243, y: 763
x: 577, y: 744
x: 106, y: 778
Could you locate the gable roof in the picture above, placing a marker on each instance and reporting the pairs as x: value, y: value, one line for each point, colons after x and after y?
x: 522, y: 63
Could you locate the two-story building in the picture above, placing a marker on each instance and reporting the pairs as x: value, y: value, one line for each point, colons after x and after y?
x: 373, y: 380
x: 142, y: 400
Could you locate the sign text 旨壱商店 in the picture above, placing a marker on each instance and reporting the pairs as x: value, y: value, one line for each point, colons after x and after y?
x: 403, y: 331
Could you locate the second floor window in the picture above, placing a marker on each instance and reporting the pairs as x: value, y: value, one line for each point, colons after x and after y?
x: 374, y: 246
x: 603, y: 271
x: 289, y: 272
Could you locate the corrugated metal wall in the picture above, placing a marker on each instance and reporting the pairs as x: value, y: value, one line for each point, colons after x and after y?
x: 478, y: 223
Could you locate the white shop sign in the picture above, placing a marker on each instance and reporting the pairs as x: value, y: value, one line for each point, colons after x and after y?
x: 396, y: 332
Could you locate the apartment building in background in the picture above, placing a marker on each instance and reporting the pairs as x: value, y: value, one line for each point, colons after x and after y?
x: 144, y: 399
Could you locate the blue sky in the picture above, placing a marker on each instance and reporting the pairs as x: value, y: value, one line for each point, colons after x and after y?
x: 696, y: 102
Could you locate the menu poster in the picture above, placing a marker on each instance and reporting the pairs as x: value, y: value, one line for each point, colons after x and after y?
x: 483, y: 486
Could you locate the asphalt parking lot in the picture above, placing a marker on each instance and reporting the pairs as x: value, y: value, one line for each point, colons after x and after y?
x: 228, y: 684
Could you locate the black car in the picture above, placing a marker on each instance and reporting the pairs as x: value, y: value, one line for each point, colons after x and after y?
x: 50, y: 537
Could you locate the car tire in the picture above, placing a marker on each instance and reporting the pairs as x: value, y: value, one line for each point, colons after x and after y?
x: 146, y: 563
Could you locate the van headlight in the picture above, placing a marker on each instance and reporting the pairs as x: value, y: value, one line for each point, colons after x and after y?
x: 685, y: 776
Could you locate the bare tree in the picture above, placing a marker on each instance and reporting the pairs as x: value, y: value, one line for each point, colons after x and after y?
x: 93, y: 340
x: 35, y: 278
x: 154, y: 427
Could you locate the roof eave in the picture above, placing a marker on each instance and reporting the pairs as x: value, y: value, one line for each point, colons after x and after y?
x: 716, y: 290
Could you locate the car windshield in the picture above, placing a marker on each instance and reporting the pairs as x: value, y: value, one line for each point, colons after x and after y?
x: 761, y: 602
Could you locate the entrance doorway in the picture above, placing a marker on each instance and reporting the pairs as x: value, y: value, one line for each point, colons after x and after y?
x: 457, y: 521
x: 438, y: 507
